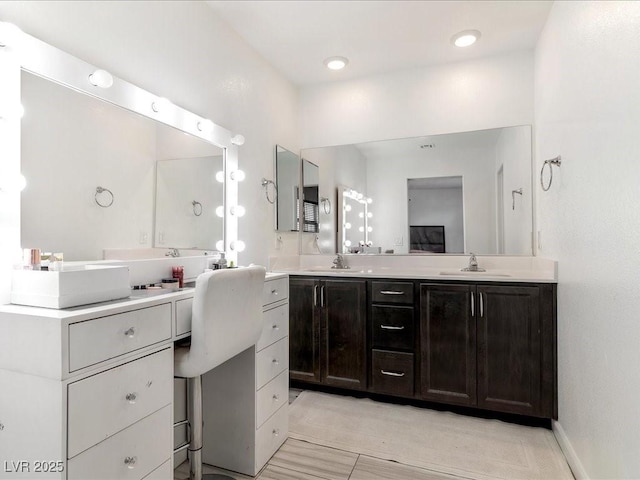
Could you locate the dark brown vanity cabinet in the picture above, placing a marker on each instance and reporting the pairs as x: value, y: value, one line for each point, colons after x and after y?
x: 392, y: 324
x: 327, y: 331
x: 490, y: 346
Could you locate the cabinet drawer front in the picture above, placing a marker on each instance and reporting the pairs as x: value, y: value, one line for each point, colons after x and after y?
x: 183, y: 316
x: 94, y: 341
x: 163, y: 472
x: 392, y: 292
x: 275, y: 325
x: 104, y: 404
x: 275, y: 290
x: 392, y: 373
x: 392, y: 327
x: 144, y: 446
x: 270, y: 436
x: 271, y: 397
x: 272, y: 361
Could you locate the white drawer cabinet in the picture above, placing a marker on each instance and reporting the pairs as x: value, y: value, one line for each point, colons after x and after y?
x: 246, y: 400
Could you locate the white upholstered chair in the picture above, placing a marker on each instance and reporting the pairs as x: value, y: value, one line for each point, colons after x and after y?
x: 226, y: 320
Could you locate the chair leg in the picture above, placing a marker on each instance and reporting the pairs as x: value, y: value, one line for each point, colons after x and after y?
x: 194, y: 414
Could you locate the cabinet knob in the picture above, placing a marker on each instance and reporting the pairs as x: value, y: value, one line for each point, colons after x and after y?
x: 130, y: 462
x: 275, y: 326
x: 130, y: 332
x: 276, y: 397
x: 274, y: 292
x: 275, y: 361
x: 276, y: 432
x: 131, y: 397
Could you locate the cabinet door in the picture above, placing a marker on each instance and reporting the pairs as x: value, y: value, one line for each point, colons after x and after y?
x: 344, y: 333
x: 509, y: 355
x: 448, y: 343
x: 304, y: 330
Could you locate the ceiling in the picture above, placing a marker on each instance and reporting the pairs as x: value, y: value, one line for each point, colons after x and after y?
x: 378, y: 36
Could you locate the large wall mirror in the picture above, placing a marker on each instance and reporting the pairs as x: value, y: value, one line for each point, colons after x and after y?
x: 104, y: 177
x: 453, y: 193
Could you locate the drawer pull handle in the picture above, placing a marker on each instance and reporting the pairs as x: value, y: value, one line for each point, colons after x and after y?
x: 130, y: 462
x: 275, y: 361
x: 391, y: 327
x: 274, y: 292
x: 131, y: 397
x: 391, y: 292
x: 130, y: 332
x: 275, y: 326
x: 276, y: 397
x: 276, y: 432
x: 392, y: 374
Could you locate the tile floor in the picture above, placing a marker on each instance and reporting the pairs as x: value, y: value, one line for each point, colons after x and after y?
x: 298, y: 460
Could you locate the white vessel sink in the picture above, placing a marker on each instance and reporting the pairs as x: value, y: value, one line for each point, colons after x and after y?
x: 72, y: 286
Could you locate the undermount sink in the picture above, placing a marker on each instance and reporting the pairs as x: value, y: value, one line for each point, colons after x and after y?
x: 467, y: 273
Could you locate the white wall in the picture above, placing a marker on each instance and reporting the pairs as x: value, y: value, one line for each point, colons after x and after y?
x: 183, y: 51
x: 588, y: 110
x: 456, y: 97
x: 439, y: 206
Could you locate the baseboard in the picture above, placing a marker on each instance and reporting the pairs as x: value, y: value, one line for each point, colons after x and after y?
x: 572, y: 458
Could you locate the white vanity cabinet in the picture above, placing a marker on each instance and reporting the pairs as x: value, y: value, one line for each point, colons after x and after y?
x: 246, y: 400
x: 87, y: 392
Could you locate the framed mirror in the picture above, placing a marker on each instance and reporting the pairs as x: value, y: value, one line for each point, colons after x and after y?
x: 288, y: 185
x: 492, y: 164
x: 354, y: 231
x: 89, y: 154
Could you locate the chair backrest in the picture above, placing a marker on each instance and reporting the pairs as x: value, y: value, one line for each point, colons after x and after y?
x: 226, y: 317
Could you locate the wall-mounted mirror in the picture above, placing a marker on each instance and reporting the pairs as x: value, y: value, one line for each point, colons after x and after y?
x: 491, y: 163
x: 310, y: 197
x: 354, y: 215
x: 73, y: 143
x: 288, y: 184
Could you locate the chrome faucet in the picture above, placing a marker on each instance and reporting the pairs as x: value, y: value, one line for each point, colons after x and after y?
x: 473, y: 265
x: 173, y: 252
x: 338, y: 263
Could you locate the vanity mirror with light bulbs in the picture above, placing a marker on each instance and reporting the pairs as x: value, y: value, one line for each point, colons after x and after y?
x: 112, y: 166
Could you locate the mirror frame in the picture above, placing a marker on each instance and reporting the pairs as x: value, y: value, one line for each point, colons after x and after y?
x: 39, y: 58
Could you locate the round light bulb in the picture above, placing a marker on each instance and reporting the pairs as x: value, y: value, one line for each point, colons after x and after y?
x: 465, y: 38
x: 237, y: 139
x: 220, y: 211
x: 369, y: 214
x: 237, y: 175
x: 347, y: 225
x: 369, y: 200
x: 238, y: 210
x: 361, y: 229
x: 359, y: 196
x: 347, y: 243
x: 369, y: 229
x: 101, y: 78
x: 13, y: 183
x: 220, y: 176
x: 237, y: 245
x: 347, y: 208
x: 220, y: 245
x: 14, y: 111
x: 361, y: 214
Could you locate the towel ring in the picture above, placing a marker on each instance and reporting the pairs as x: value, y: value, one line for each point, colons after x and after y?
x: 100, y: 190
x: 554, y: 161
x: 326, y: 205
x: 197, y: 208
x: 265, y: 183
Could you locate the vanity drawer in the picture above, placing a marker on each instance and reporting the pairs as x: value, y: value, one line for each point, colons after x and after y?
x: 270, y: 436
x: 275, y: 290
x: 271, y: 397
x: 392, y: 373
x: 392, y: 292
x: 271, y: 361
x: 392, y: 327
x: 146, y: 443
x: 94, y: 341
x: 183, y: 316
x: 163, y: 472
x: 275, y: 325
x: 104, y: 404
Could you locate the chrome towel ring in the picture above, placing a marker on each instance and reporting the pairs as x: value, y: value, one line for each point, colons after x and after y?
x: 265, y: 183
x: 326, y: 205
x: 197, y: 208
x: 103, y: 204
x: 554, y: 161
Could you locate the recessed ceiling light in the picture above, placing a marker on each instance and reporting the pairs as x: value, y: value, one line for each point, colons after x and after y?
x: 465, y: 38
x: 336, y: 63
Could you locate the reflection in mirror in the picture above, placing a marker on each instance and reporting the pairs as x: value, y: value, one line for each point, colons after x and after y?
x: 354, y: 230
x: 189, y: 203
x: 73, y: 143
x: 287, y: 182
x: 310, y: 197
x: 492, y: 163
x: 435, y: 207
